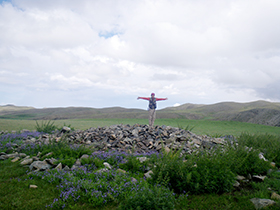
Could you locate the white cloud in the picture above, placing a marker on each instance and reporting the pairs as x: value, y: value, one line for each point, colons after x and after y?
x: 189, y: 51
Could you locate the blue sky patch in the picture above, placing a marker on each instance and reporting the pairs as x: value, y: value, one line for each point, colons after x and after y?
x: 1, y: 1
x: 107, y: 34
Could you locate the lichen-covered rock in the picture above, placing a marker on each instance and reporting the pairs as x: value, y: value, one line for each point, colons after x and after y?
x: 27, y: 161
x: 148, y: 174
x: 15, y: 159
x: 40, y: 165
x: 59, y: 167
x: 262, y: 203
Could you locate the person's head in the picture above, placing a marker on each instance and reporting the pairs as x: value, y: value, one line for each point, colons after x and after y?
x: 152, y: 95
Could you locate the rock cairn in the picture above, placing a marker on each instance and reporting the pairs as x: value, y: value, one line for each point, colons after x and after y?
x: 119, y: 138
x: 136, y: 138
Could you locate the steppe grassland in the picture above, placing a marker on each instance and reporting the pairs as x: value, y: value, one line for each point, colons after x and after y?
x: 14, y: 188
x: 200, y: 127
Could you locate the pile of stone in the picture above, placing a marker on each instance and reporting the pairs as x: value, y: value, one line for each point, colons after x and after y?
x: 136, y: 138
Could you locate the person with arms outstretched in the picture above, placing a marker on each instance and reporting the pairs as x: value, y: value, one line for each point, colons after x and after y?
x: 152, y: 107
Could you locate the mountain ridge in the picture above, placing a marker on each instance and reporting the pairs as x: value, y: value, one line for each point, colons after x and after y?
x: 259, y: 112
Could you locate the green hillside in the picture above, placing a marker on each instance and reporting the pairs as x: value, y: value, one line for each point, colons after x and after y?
x: 258, y: 112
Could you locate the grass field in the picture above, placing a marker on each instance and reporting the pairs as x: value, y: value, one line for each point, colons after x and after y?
x: 200, y: 127
x: 214, y: 172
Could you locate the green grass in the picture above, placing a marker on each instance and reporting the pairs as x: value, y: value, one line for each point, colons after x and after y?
x: 212, y: 172
x: 15, y: 191
x: 16, y: 194
x: 201, y: 127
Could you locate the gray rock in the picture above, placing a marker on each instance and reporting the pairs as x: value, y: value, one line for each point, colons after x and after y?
x: 49, y: 154
x: 22, y: 155
x: 167, y: 150
x: 135, y: 132
x: 120, y: 171
x: 261, y: 156
x: 84, y: 156
x: 240, y: 178
x: 148, y: 174
x: 65, y: 129
x: 218, y: 140
x: 262, y: 203
x: 15, y: 159
x: 13, y: 155
x: 51, y: 161
x: 32, y: 140
x: 236, y: 184
x: 78, y: 163
x: 27, y: 161
x: 35, y: 158
x: 102, y: 170
x: 33, y: 186
x: 142, y: 159
x: 133, y: 179
x: 39, y: 165
x: 258, y: 178
x: 59, y: 167
x: 107, y: 165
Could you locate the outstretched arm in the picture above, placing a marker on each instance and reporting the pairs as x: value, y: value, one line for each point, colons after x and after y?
x: 161, y: 99
x: 144, y: 98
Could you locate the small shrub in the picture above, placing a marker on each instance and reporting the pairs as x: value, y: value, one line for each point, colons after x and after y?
x: 187, y: 128
x: 211, y: 175
x: 274, y: 181
x: 244, y: 161
x: 170, y: 171
x: 152, y: 198
x: 133, y: 165
x: 266, y: 143
x: 45, y: 127
x: 69, y: 161
x: 92, y: 160
x: 202, y: 173
x: 31, y: 149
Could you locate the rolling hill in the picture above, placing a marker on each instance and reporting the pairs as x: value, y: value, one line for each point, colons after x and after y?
x: 259, y: 112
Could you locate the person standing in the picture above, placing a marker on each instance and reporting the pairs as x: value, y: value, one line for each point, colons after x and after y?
x: 152, y: 107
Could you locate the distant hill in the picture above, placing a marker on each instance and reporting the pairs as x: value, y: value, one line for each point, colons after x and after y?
x: 11, y: 107
x: 259, y: 112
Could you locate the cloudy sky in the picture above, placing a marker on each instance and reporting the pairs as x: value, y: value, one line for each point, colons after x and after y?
x: 104, y: 53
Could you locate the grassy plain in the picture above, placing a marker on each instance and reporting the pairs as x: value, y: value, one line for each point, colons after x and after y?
x: 200, y: 127
x: 14, y: 181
